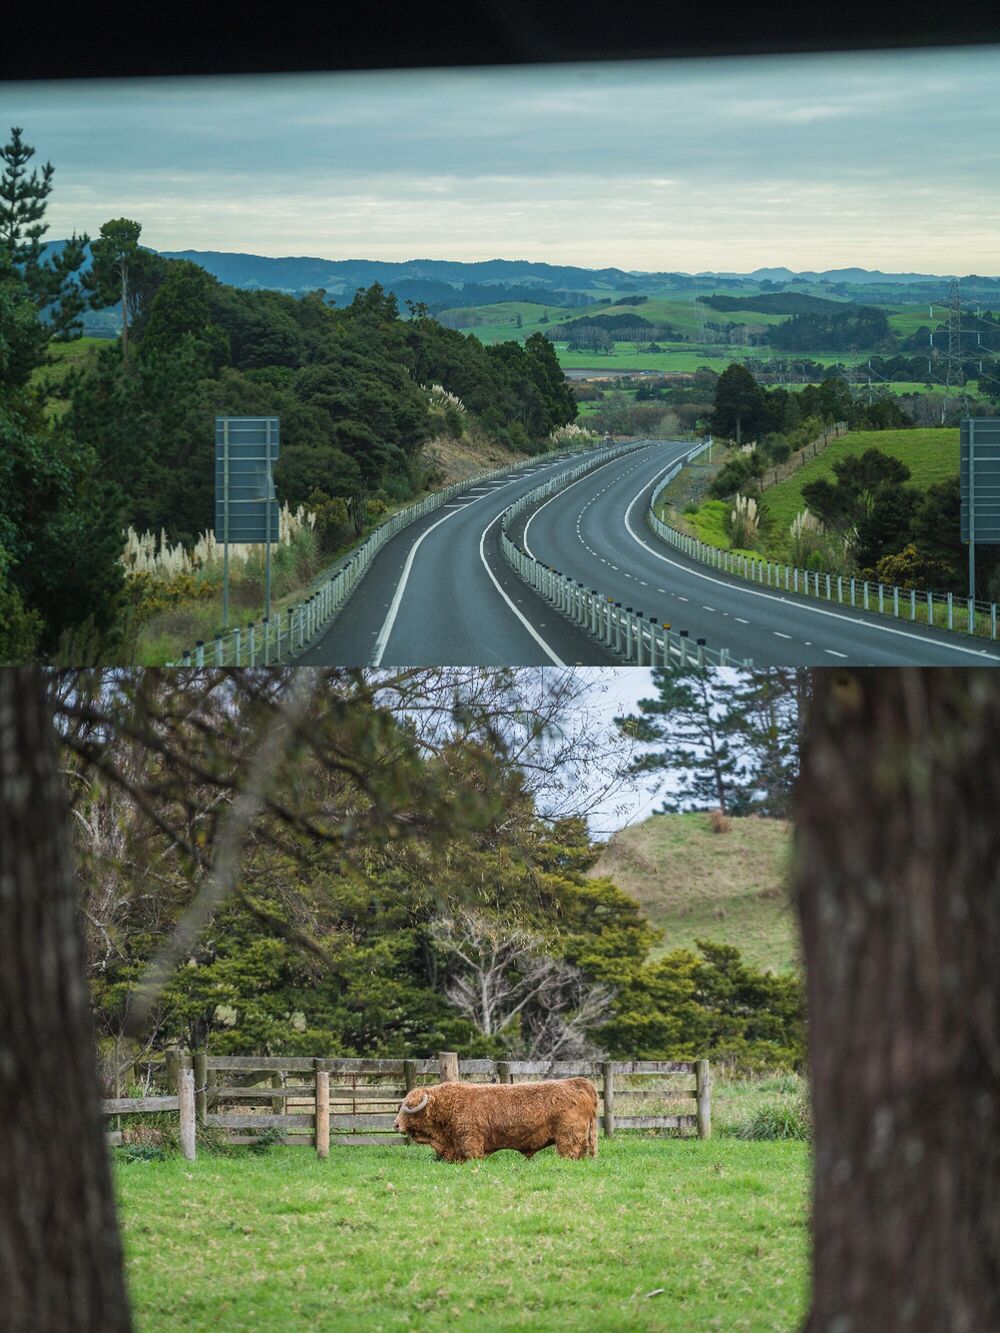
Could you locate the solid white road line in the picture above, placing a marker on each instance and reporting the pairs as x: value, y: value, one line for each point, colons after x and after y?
x: 552, y: 656
x: 390, y: 620
x: 558, y: 494
x: 800, y: 606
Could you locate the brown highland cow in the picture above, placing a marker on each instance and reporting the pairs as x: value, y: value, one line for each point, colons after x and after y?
x: 465, y: 1120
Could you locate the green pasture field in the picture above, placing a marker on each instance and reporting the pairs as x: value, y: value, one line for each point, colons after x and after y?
x: 666, y: 1234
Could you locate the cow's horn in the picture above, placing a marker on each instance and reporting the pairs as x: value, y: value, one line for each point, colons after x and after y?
x: 412, y: 1110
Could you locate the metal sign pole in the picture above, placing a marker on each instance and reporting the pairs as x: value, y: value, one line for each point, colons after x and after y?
x: 267, y: 539
x: 225, y: 524
x: 972, y: 511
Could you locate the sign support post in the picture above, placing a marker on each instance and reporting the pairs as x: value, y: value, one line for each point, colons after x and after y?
x: 225, y: 524
x: 267, y: 539
x: 972, y: 511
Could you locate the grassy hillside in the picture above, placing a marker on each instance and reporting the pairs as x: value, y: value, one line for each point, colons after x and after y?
x: 931, y: 455
x: 693, y: 883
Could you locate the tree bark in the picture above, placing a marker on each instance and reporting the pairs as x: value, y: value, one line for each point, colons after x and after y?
x: 60, y: 1255
x: 897, y: 877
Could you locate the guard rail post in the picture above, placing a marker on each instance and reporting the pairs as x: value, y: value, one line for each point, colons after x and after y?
x: 628, y: 634
x: 218, y: 650
x: 638, y: 639
x: 251, y: 641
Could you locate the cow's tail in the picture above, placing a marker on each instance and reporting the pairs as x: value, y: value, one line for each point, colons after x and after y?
x: 592, y: 1137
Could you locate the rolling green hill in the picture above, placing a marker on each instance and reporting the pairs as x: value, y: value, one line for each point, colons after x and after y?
x: 694, y: 883
x: 931, y: 455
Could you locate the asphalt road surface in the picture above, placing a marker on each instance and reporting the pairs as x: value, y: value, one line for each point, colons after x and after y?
x: 441, y: 592
x: 595, y: 531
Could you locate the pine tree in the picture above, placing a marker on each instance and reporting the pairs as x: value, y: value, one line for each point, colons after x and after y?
x: 52, y: 284
x: 727, y: 740
x: 691, y: 724
x: 116, y: 255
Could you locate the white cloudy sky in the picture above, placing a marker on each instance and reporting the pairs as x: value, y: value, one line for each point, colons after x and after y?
x: 882, y: 160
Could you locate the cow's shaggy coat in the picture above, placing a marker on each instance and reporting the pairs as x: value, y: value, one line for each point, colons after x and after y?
x: 465, y: 1120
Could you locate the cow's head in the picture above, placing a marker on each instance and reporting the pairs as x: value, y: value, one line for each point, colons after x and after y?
x: 412, y: 1117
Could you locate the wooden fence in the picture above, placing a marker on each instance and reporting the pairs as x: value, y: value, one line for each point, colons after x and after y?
x: 313, y: 1102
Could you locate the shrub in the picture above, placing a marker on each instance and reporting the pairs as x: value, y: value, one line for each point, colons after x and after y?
x: 742, y: 523
x: 778, y: 1122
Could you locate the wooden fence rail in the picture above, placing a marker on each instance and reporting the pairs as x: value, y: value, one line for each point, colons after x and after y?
x: 293, y: 1098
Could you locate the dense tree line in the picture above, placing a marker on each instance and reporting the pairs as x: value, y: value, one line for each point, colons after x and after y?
x: 843, y: 329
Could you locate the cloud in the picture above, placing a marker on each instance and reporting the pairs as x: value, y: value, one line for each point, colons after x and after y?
x: 815, y: 160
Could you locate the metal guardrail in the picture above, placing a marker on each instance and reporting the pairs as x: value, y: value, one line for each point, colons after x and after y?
x: 288, y: 632
x: 624, y: 630
x: 938, y: 610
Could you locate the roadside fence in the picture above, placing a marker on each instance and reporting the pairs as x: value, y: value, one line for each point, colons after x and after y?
x: 963, y: 615
x: 624, y: 630
x: 313, y: 1102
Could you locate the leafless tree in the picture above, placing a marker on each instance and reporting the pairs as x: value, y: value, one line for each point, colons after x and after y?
x: 507, y: 984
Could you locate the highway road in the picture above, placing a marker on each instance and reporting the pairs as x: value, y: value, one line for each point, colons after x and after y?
x: 595, y: 531
x: 441, y: 592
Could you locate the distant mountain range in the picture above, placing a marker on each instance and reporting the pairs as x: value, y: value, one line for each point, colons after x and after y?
x: 441, y: 284
x: 344, y: 275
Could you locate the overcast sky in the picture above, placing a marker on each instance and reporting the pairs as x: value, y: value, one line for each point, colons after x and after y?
x: 883, y: 160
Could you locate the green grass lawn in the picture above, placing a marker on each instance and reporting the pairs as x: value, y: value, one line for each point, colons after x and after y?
x: 737, y: 895
x: 670, y: 1234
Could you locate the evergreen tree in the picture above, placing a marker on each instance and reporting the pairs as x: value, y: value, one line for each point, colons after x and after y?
x: 739, y: 403
x: 60, y: 519
x: 691, y: 725
x: 52, y: 284
x: 116, y: 255
x: 728, y: 740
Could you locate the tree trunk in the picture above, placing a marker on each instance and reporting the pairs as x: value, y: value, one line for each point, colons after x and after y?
x: 897, y: 880
x: 60, y: 1256
x: 124, y: 274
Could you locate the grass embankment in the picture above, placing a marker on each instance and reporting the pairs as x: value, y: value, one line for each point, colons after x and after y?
x: 931, y: 455
x: 693, y: 883
x: 654, y: 1234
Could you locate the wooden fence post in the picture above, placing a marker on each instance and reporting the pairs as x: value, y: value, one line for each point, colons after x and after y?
x: 171, y: 1065
x: 607, y: 1078
x: 185, y: 1094
x: 201, y: 1085
x: 503, y: 1071
x: 322, y: 1112
x: 277, y: 1103
x: 703, y: 1086
x: 410, y: 1074
x: 448, y: 1062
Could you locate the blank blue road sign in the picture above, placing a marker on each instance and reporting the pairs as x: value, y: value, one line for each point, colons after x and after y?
x: 980, y: 440
x: 250, y: 447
